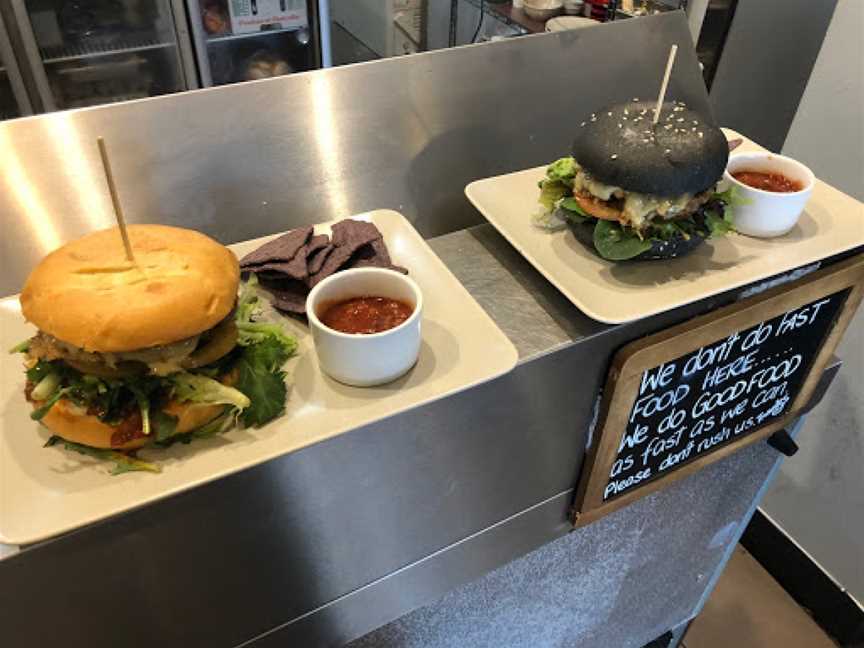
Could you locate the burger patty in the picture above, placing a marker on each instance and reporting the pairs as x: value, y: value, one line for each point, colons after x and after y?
x: 196, y: 351
x: 637, y: 210
x: 613, y: 209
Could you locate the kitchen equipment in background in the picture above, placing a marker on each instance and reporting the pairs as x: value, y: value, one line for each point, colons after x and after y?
x: 247, y: 40
x: 599, y: 9
x: 712, y: 36
x: 542, y: 10
x: 563, y: 23
x: 14, y: 101
x: 388, y: 28
x: 88, y: 52
x: 636, y: 8
x: 574, y: 7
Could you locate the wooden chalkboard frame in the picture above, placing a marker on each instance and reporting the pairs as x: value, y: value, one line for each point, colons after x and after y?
x: 646, y: 353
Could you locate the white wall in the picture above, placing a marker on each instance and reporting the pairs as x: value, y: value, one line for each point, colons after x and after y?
x: 818, y: 497
x: 827, y: 133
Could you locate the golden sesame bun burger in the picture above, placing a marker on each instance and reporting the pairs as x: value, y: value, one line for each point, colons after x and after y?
x: 128, y: 353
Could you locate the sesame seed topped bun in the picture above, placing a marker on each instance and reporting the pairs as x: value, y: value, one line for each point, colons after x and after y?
x: 620, y: 146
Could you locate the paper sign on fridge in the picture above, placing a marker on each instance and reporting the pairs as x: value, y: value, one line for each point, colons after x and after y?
x: 261, y: 15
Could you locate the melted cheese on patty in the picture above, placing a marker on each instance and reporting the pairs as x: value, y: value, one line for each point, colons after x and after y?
x: 637, y: 208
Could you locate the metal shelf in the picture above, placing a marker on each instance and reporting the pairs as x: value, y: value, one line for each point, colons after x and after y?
x: 266, y: 32
x: 649, y: 7
x: 507, y: 16
x: 93, y: 49
x: 411, y: 28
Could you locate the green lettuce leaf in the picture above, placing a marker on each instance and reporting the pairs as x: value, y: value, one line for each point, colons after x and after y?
x: 46, y: 386
x: 214, y: 427
x: 266, y: 347
x: 123, y: 463
x: 616, y: 243
x: 41, y: 369
x: 571, y: 210
x: 163, y: 425
x: 731, y: 197
x: 261, y: 379
x: 201, y: 389
x: 250, y: 332
x: 562, y: 170
x: 39, y: 413
x: 719, y: 225
x: 551, y: 192
x: 142, y: 397
x: 21, y: 347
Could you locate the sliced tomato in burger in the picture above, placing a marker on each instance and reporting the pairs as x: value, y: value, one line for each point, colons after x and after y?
x: 597, y: 208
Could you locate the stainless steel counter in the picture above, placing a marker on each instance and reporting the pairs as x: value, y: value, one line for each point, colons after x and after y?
x: 324, y: 545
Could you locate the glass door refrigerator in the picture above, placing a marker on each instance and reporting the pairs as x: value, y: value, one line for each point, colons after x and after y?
x: 14, y: 101
x: 246, y: 40
x: 89, y: 52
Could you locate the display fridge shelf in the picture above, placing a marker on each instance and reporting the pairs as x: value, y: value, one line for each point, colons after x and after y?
x: 266, y: 32
x: 103, y: 48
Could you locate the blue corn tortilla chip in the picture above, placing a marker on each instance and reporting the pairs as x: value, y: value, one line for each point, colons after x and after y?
x: 348, y: 237
x: 295, y: 268
x: 289, y: 295
x: 354, y: 244
x: 279, y: 250
x: 316, y: 260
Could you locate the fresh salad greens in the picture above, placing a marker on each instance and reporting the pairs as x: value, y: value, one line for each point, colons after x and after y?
x: 122, y: 462
x: 618, y: 243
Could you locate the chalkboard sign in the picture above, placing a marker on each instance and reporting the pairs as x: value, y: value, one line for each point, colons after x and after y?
x: 688, y: 396
x: 723, y: 390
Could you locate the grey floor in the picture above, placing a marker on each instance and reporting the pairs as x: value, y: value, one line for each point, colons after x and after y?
x: 818, y: 496
x: 748, y: 609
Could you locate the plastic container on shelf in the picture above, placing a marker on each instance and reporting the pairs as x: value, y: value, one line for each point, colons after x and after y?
x: 573, y: 7
x: 599, y: 9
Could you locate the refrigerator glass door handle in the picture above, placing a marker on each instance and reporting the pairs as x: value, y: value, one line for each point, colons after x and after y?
x: 199, y: 41
x: 34, y: 57
x: 7, y: 60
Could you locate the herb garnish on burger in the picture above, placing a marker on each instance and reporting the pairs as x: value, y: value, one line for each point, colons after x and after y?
x: 636, y: 190
x: 131, y: 355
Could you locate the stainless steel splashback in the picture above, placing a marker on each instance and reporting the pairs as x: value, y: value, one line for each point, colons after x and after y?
x: 407, y: 133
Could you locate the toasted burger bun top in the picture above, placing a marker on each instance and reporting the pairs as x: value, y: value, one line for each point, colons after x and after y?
x: 87, y: 294
x: 620, y: 146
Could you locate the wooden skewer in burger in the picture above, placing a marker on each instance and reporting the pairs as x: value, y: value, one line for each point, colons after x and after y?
x: 642, y: 181
x: 141, y: 338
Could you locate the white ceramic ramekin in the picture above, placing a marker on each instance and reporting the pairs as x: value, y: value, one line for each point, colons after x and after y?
x: 360, y: 359
x: 768, y: 213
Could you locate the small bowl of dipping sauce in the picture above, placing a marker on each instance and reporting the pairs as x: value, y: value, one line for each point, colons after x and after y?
x: 774, y: 190
x: 365, y: 324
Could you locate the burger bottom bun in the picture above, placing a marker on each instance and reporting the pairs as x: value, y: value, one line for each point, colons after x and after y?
x: 67, y: 421
x: 672, y: 248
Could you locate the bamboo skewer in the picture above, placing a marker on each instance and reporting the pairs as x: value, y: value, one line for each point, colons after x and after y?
x: 669, y: 63
x: 115, y: 199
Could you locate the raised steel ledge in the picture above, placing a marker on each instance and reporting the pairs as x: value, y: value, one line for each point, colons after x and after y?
x: 324, y: 545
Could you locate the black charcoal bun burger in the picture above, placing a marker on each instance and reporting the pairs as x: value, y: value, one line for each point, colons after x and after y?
x: 636, y: 190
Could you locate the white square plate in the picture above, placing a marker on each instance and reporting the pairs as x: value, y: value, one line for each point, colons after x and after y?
x: 46, y: 491
x: 621, y: 292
